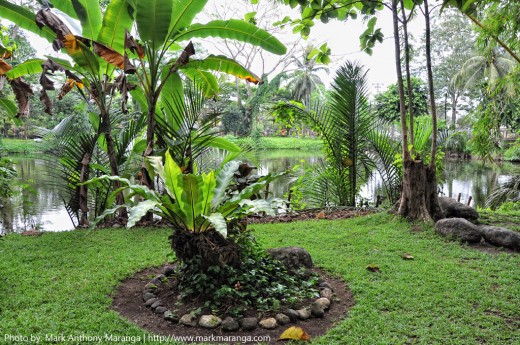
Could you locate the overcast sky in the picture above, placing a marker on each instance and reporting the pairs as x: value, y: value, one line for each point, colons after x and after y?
x: 342, y: 38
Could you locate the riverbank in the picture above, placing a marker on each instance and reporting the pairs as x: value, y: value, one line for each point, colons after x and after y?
x: 21, y: 146
x: 278, y: 143
x: 449, y: 293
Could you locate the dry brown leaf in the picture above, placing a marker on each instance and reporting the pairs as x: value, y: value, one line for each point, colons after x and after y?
x: 407, y: 256
x: 373, y: 268
x: 44, y: 98
x: 320, y: 215
x: 45, y: 17
x: 130, y: 43
x: 22, y: 91
x: 4, y: 67
x: 294, y: 333
x: 69, y: 85
x: 109, y: 55
x: 184, y: 58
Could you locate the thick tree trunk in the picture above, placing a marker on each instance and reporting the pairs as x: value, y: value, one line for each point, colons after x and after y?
x: 419, y: 190
x: 419, y: 194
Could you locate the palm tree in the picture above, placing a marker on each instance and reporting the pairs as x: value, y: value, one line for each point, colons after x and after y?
x: 488, y: 68
x: 304, y: 78
x: 507, y: 191
x: 344, y: 125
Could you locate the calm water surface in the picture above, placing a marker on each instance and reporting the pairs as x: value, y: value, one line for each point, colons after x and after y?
x: 38, y: 204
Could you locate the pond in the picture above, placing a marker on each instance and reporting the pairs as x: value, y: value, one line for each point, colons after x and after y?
x: 37, y: 202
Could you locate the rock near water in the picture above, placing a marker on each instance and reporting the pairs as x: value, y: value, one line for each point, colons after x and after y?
x: 458, y: 228
x: 501, y: 237
x: 454, y: 209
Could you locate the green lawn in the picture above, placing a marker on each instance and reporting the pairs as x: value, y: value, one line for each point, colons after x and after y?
x: 279, y: 143
x: 60, y: 283
x: 21, y: 146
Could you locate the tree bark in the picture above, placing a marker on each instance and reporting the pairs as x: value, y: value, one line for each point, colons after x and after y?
x: 106, y: 130
x: 408, y: 74
x: 454, y: 101
x: 419, y: 190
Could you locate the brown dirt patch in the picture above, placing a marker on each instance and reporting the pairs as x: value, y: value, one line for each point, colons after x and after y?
x: 128, y: 302
x: 312, y: 214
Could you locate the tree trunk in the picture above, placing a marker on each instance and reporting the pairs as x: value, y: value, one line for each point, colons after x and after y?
x: 408, y: 74
x: 419, y: 194
x: 454, y: 101
x: 419, y: 190
x: 106, y: 130
x: 83, y: 191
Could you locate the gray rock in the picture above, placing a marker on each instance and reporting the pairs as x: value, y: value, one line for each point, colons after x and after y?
x: 248, y: 323
x: 458, y: 228
x: 151, y: 301
x: 292, y: 314
x: 229, y: 325
x: 269, y: 323
x: 282, y: 319
x: 117, y: 225
x: 209, y: 321
x: 501, y: 237
x: 324, y: 285
x: 454, y: 209
x: 323, y: 303
x: 170, y: 316
x: 293, y: 258
x: 304, y: 314
x: 160, y: 310
x: 188, y: 320
x: 156, y: 304
x: 169, y: 271
x: 147, y: 296
x: 326, y: 293
x: 317, y: 310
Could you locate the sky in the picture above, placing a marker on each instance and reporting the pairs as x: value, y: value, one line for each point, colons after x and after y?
x: 341, y: 37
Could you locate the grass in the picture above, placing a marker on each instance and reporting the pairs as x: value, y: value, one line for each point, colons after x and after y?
x: 21, y: 146
x: 279, y: 143
x: 60, y: 283
x: 509, y: 219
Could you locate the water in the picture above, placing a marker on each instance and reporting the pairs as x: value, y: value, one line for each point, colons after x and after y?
x: 38, y: 205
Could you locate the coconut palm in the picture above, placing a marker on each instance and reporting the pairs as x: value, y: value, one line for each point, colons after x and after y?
x: 304, y: 78
x: 507, y: 191
x: 489, y: 68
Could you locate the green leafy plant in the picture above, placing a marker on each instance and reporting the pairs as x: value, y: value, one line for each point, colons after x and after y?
x: 513, y: 153
x: 259, y: 282
x: 205, y: 216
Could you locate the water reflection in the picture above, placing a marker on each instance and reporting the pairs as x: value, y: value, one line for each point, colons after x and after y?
x: 37, y: 202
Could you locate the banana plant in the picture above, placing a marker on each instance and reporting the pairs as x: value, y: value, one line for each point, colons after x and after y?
x: 161, y: 26
x: 91, y: 72
x: 200, y: 207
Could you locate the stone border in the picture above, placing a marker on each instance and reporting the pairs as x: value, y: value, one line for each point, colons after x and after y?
x: 316, y: 309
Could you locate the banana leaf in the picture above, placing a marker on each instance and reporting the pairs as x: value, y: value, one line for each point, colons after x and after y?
x: 234, y: 29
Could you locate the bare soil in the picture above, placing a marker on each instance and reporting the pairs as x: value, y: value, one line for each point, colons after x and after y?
x: 128, y: 302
